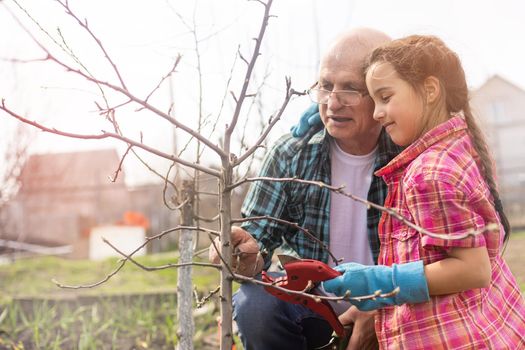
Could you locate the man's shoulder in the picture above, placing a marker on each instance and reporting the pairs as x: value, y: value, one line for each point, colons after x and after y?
x: 290, y: 146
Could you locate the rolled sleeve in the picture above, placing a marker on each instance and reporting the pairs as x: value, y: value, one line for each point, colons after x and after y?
x: 442, y: 207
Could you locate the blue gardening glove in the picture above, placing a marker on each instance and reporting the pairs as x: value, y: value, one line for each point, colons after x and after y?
x: 309, y: 119
x: 364, y: 280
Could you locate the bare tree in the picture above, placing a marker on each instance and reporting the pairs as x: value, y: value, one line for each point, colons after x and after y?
x: 110, y: 110
x: 115, y: 93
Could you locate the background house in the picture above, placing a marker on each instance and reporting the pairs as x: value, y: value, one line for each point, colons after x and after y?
x: 63, y: 196
x: 500, y: 106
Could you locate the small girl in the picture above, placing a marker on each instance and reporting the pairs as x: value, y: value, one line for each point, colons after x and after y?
x: 455, y: 292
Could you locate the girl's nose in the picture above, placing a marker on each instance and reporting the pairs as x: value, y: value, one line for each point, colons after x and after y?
x: 379, y: 114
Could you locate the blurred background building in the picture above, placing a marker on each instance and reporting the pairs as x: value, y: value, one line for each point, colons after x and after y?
x: 500, y: 105
x: 63, y: 197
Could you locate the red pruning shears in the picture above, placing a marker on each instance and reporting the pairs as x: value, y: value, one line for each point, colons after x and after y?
x: 304, y: 275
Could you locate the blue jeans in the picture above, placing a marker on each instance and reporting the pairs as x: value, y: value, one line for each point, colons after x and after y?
x: 268, y: 323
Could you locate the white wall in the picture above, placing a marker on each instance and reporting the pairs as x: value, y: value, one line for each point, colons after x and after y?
x: 125, y: 238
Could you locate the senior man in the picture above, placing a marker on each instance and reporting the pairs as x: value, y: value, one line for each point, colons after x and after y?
x: 347, y: 151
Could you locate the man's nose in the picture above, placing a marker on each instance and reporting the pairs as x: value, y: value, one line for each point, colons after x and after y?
x: 333, y: 102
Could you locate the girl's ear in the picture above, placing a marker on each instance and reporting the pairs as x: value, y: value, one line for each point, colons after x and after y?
x: 432, y: 89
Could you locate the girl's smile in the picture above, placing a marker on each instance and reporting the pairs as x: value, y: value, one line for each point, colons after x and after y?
x: 387, y: 125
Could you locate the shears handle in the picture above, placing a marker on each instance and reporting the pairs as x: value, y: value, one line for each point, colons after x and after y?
x: 298, y: 276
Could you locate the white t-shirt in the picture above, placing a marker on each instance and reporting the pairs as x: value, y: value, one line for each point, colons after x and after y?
x: 348, y: 232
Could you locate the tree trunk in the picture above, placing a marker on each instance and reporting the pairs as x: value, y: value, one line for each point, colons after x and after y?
x: 226, y: 252
x: 186, y: 325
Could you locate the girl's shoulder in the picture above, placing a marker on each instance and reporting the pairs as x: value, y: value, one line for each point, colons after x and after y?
x: 451, y: 161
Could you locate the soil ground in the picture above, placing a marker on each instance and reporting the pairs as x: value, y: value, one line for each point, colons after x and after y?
x: 515, y: 257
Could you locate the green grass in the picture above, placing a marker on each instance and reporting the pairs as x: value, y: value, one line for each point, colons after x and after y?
x: 33, y: 277
x: 135, y: 309
x: 514, y: 256
x: 103, y: 324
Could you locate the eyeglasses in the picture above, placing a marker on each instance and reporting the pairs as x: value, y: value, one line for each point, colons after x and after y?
x: 345, y: 97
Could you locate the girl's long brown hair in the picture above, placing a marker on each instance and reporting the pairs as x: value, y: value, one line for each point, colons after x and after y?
x: 417, y: 57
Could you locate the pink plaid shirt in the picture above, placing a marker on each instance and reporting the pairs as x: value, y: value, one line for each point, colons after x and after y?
x: 436, y: 183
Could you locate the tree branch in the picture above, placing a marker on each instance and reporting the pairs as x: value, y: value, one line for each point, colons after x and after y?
x: 122, y: 262
x: 293, y: 224
x: 84, y: 25
x: 162, y: 267
x: 205, y: 299
x: 124, y: 91
x: 105, y: 135
x: 273, y: 120
x: 317, y: 298
x: 390, y: 211
x: 251, y: 66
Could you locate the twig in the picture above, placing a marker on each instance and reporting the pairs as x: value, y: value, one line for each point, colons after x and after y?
x: 202, y: 218
x: 172, y: 70
x: 220, y: 256
x: 122, y: 262
x: 205, y: 299
x: 390, y: 211
x: 273, y: 120
x: 202, y: 251
x: 119, y: 169
x: 84, y: 25
x: 317, y: 298
x: 255, y: 102
x: 165, y: 188
x: 162, y: 267
x: 293, y: 224
x: 110, y: 116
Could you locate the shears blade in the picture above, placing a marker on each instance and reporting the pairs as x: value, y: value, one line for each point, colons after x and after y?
x: 285, y: 259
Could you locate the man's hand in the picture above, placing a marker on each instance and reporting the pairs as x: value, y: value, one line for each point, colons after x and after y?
x: 363, y: 333
x: 246, y: 259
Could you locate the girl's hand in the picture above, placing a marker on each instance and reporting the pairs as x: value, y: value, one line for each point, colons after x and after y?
x: 464, y: 269
x: 361, y: 280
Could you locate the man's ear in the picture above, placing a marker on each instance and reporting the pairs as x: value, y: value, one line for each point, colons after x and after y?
x: 432, y: 89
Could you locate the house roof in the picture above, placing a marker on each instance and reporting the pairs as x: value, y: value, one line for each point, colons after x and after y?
x: 70, y: 171
x: 501, y: 81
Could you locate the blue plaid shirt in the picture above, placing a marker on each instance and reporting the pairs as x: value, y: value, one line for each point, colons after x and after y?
x: 307, y: 205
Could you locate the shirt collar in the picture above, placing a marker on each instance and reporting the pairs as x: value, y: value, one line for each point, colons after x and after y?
x: 440, y: 132
x: 386, y: 149
x: 319, y: 137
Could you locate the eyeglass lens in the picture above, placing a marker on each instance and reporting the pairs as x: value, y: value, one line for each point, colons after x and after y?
x: 346, y: 98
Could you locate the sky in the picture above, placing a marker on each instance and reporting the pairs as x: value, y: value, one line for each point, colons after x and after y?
x: 144, y: 37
